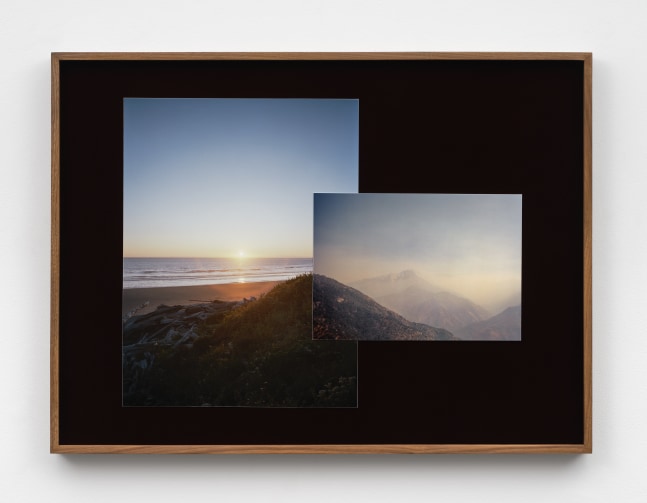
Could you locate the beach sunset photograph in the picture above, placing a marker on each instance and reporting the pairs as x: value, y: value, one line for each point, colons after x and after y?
x: 423, y: 267
x: 217, y: 251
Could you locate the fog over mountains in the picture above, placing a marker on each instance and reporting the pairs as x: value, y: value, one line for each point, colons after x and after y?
x: 389, y: 284
x: 418, y: 300
x: 505, y: 326
x: 406, y: 298
x: 341, y: 312
x: 467, y: 245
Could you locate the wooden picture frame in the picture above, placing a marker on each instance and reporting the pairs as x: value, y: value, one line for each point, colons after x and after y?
x: 429, y: 122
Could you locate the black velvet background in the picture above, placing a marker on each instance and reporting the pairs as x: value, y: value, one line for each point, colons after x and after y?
x: 425, y: 126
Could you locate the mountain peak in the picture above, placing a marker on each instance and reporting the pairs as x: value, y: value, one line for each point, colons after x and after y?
x: 393, y: 282
x: 408, y: 274
x: 396, y: 276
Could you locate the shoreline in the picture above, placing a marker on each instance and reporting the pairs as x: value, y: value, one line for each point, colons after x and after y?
x: 187, y: 295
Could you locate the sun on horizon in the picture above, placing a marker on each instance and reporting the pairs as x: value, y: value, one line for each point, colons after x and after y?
x: 232, y: 177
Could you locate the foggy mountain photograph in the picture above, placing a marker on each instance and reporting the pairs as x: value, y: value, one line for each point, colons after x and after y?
x: 450, y: 262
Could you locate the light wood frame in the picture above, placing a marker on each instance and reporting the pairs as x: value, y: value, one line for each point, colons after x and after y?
x: 585, y: 447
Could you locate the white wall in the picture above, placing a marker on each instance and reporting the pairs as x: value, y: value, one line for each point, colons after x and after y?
x: 615, y: 33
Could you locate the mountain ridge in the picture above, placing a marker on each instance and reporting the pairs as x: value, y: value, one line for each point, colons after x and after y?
x: 441, y: 309
x: 505, y: 326
x: 341, y: 312
x: 390, y: 283
x: 420, y: 301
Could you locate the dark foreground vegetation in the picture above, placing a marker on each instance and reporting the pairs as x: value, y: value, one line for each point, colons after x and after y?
x: 256, y: 353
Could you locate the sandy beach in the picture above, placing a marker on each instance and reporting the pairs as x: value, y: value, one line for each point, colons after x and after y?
x: 185, y: 295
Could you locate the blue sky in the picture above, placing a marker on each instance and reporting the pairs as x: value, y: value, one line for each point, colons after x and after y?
x: 231, y: 177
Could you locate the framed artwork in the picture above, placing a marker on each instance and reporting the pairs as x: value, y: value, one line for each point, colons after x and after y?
x: 321, y: 253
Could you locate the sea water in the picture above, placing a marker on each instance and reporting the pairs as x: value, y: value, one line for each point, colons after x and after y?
x: 156, y: 272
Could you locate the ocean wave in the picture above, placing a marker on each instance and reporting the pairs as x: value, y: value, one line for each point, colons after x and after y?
x: 143, y: 273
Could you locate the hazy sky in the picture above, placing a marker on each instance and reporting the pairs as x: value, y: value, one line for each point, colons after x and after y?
x: 230, y: 177
x: 469, y: 244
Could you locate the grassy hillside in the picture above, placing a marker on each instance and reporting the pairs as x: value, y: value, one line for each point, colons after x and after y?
x: 258, y: 354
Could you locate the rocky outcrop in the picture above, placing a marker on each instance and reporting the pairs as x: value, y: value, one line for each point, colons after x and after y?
x: 341, y: 312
